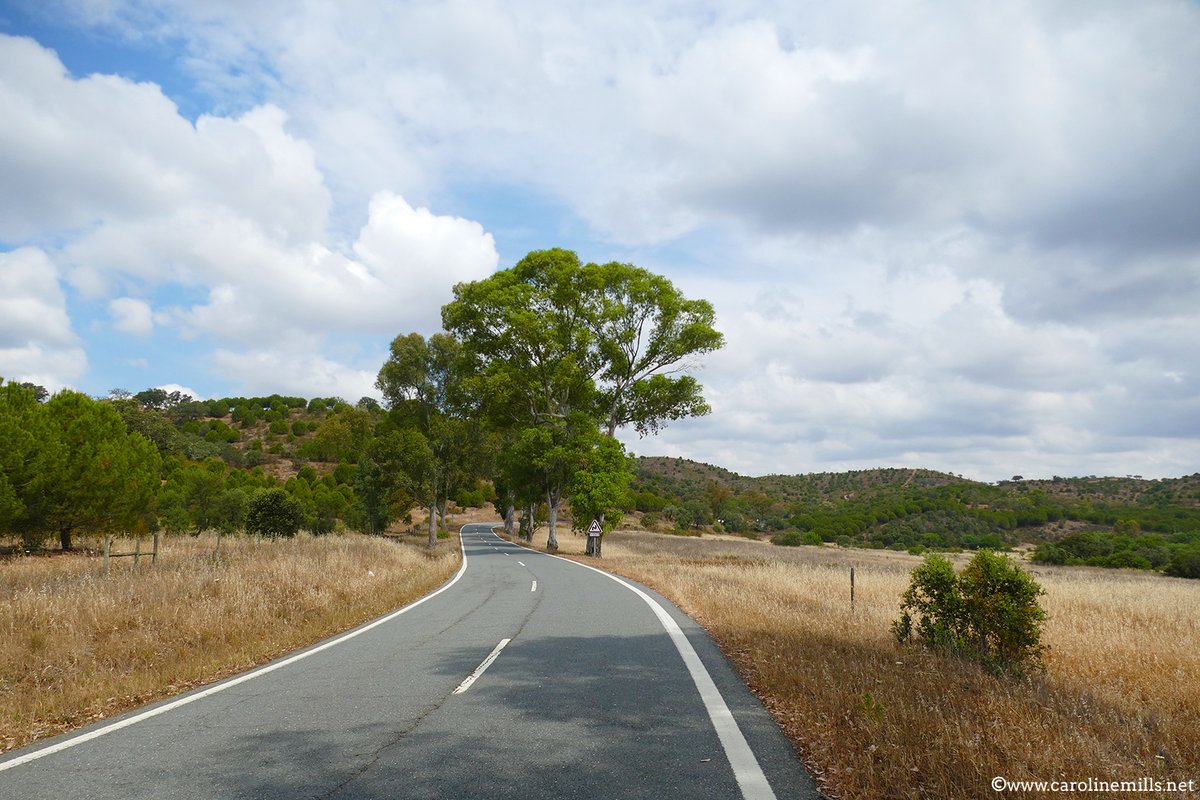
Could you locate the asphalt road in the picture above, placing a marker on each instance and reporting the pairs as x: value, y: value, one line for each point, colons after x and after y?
x: 590, y: 697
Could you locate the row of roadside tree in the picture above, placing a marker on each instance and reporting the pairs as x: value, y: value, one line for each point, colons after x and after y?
x: 518, y: 399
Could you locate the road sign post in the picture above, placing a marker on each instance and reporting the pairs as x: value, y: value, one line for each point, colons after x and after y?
x: 594, y: 538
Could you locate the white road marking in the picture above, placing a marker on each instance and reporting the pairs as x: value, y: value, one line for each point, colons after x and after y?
x: 220, y: 687
x: 746, y: 769
x: 487, y: 662
x: 534, y: 587
x: 522, y: 563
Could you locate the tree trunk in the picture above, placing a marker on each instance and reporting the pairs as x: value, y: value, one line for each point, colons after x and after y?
x: 433, y: 525
x: 529, y: 522
x: 442, y: 514
x: 552, y: 539
x: 509, y: 514
x: 64, y: 538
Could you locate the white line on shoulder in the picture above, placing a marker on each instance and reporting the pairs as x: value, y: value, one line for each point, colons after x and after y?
x: 746, y: 769
x: 220, y: 687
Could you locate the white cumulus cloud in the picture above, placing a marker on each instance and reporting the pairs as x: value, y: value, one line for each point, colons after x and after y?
x: 131, y: 315
x: 37, y: 342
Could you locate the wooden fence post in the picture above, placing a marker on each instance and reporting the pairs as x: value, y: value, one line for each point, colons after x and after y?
x: 107, y: 548
x: 852, y: 588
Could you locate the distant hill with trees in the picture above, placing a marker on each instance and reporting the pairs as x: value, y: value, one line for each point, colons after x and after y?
x: 1099, y: 521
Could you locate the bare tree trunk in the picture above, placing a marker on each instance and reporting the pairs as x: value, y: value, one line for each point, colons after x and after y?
x: 64, y: 538
x: 509, y: 515
x: 552, y: 505
x: 525, y: 526
x: 442, y: 514
x: 433, y: 525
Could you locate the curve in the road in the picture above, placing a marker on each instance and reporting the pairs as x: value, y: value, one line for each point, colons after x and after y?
x: 103, y: 730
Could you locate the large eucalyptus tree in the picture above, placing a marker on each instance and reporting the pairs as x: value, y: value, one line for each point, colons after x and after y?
x: 557, y: 350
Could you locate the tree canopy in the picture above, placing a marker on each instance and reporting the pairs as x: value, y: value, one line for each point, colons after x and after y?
x: 556, y: 350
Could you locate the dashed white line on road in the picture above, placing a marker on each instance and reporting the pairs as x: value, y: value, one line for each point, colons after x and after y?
x: 487, y: 662
x: 522, y: 563
x: 534, y: 587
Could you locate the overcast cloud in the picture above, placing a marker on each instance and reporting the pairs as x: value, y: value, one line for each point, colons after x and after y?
x: 964, y: 237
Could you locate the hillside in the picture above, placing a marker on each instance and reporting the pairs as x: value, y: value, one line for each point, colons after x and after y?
x: 218, y: 454
x: 1145, y: 521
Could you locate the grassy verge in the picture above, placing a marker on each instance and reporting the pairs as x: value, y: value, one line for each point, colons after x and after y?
x: 76, y: 647
x: 1118, y: 699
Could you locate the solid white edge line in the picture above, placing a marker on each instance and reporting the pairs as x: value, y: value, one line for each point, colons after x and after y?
x: 487, y: 662
x: 228, y: 684
x: 746, y: 769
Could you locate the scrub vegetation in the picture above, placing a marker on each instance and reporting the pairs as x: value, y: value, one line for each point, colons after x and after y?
x: 1104, y: 522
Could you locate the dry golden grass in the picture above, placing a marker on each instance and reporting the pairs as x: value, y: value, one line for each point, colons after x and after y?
x: 76, y: 646
x: 1119, y: 698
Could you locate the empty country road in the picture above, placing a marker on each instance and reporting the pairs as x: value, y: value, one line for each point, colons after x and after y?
x: 526, y: 676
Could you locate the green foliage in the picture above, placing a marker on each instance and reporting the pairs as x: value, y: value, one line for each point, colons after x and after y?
x: 1125, y: 547
x: 421, y: 383
x: 342, y: 437
x: 648, y: 501
x: 32, y: 459
x: 989, y: 613
x: 554, y: 350
x: 370, y: 512
x: 1185, y: 564
x: 795, y: 538
x: 642, y: 328
x: 274, y: 512
x: 109, y: 477
x: 598, y: 490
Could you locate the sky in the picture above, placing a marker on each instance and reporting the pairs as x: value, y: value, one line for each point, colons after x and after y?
x: 959, y: 236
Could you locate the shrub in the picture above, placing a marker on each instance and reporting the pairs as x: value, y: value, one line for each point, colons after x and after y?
x: 648, y: 502
x: 650, y: 520
x: 274, y: 512
x: 1185, y: 564
x: 989, y: 613
x: 792, y: 538
x: 795, y: 538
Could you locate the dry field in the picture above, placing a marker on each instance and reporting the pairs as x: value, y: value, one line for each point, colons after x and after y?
x: 1119, y: 698
x: 76, y: 646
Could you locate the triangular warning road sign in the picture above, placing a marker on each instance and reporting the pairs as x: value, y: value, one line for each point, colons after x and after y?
x: 594, y: 528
